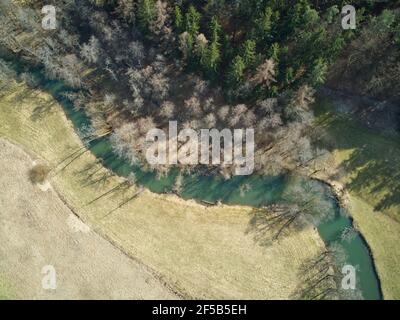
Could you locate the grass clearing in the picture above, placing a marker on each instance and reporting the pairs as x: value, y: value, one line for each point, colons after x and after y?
x: 382, y: 234
x: 202, y: 252
x: 38, y: 229
x: 6, y: 291
x: 371, y: 162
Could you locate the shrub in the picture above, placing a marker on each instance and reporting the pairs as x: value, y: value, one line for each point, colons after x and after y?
x: 38, y: 173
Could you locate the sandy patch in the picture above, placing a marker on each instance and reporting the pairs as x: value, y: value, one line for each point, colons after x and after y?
x: 44, y: 186
x: 77, y: 225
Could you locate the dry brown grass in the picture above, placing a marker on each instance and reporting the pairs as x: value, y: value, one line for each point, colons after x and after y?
x: 382, y: 234
x: 203, y: 252
x: 371, y: 178
x: 38, y: 229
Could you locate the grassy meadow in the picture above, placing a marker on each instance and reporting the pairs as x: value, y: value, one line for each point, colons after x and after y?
x: 198, y: 251
x: 371, y: 175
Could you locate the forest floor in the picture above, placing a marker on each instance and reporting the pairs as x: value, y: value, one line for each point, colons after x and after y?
x: 371, y: 176
x: 197, y: 251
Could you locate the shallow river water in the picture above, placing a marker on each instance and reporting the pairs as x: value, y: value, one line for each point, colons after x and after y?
x: 213, y: 188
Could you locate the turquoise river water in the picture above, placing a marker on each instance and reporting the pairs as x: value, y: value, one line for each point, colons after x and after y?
x: 213, y: 188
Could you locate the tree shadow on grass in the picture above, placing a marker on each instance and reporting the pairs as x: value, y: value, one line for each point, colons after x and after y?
x: 378, y: 174
x: 40, y: 112
x: 318, y: 279
x: 321, y: 277
x: 26, y: 96
x: 373, y: 160
x: 268, y: 225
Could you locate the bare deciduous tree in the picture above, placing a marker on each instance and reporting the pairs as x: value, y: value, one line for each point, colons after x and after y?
x: 265, y: 73
x: 136, y: 52
x: 91, y: 50
x: 167, y: 110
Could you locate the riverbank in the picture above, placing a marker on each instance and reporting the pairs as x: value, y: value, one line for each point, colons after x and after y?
x: 212, y: 189
x: 199, y: 251
x: 367, y: 166
x: 346, y: 202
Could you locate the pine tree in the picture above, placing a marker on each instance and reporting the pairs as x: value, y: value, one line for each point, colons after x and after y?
x: 319, y: 71
x: 146, y: 13
x: 263, y: 25
x: 215, y: 29
x: 214, y: 52
x: 178, y: 22
x: 249, y: 52
x: 274, y: 52
x: 213, y: 57
x: 237, y: 69
x: 289, y: 75
x: 201, y: 48
x: 302, y: 15
x: 192, y: 21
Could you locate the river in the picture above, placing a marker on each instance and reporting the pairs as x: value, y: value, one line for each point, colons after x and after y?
x: 213, y: 188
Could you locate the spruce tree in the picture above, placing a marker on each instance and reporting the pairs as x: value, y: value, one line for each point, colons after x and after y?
x: 178, y: 22
x: 249, y: 52
x: 192, y: 21
x: 146, y: 13
x: 237, y: 70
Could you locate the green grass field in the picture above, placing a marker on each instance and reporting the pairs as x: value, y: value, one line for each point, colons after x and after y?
x: 372, y: 179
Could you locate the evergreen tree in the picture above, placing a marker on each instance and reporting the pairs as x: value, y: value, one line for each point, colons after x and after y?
x: 237, y: 69
x: 193, y: 21
x: 274, y: 52
x: 215, y: 29
x: 213, y: 57
x: 146, y: 13
x: 302, y: 15
x: 262, y: 26
x: 249, y: 52
x: 178, y: 22
x: 201, y: 48
x: 318, y: 72
x: 289, y: 75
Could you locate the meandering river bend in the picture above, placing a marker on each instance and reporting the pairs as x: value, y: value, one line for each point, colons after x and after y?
x: 213, y: 188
